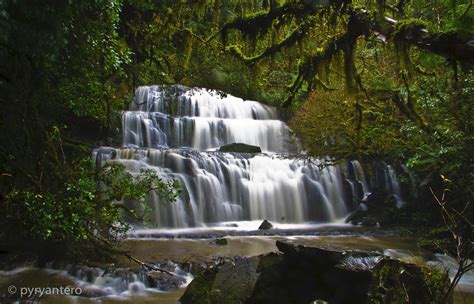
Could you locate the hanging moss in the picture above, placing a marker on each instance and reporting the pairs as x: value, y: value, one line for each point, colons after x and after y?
x: 357, y: 26
x: 292, y: 38
x: 405, y: 32
x: 349, y: 66
x: 262, y: 22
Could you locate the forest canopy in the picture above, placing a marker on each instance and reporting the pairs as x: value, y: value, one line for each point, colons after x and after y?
x: 390, y: 80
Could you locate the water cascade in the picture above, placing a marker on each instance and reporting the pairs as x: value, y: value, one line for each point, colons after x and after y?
x: 177, y: 131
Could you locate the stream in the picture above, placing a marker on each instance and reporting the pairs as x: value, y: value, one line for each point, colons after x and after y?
x: 98, y: 286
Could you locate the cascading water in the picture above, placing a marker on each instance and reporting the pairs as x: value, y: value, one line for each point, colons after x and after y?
x: 176, y: 131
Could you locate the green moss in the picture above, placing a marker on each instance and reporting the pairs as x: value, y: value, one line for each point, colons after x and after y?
x: 406, y: 31
x: 409, y: 26
x: 200, y: 290
x: 398, y: 282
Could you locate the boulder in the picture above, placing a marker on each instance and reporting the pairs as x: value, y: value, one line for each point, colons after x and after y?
x: 164, y: 281
x: 265, y: 225
x: 375, y: 209
x: 222, y: 241
x: 395, y: 281
x: 231, y: 282
x: 240, y: 148
x: 302, y: 274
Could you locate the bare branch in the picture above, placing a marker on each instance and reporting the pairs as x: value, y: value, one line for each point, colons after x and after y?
x: 147, y: 266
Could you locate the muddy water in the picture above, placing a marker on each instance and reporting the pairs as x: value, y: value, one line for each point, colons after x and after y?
x: 184, y: 250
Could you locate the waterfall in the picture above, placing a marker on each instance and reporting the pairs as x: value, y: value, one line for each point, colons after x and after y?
x: 177, y: 131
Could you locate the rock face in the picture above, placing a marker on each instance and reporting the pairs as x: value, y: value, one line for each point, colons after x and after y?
x: 373, y: 210
x: 300, y: 274
x: 240, y: 148
x: 265, y: 225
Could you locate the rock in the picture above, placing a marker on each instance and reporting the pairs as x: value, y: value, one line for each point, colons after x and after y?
x: 164, y: 281
x: 91, y: 291
x: 231, y: 282
x: 356, y: 216
x: 231, y: 225
x: 374, y: 210
x: 265, y: 225
x: 302, y: 274
x: 396, y: 282
x: 168, y: 265
x: 240, y: 148
x: 222, y: 241
x: 376, y: 202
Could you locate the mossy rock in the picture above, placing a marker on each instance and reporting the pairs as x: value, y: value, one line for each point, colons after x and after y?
x: 398, y: 282
x: 221, y: 242
x: 304, y: 274
x: 231, y: 283
x: 240, y: 148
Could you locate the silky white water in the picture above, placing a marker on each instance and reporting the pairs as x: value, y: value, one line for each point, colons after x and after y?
x: 177, y: 131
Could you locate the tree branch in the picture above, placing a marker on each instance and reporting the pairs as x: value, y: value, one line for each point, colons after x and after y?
x: 289, y: 40
x: 147, y: 266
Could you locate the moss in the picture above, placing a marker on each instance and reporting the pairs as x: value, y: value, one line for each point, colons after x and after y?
x: 200, y: 290
x: 409, y: 26
x: 406, y: 31
x: 398, y: 282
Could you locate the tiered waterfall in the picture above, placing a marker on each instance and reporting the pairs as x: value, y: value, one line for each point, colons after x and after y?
x: 176, y: 130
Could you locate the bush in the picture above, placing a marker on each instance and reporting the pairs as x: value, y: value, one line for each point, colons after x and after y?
x: 87, y: 212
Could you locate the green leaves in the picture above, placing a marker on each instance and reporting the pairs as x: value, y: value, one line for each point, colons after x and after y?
x: 89, y: 207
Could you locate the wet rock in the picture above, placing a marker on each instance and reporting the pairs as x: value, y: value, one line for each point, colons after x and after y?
x: 168, y: 266
x: 265, y: 225
x: 164, y: 281
x: 240, y: 148
x: 89, y: 274
x: 231, y: 282
x: 221, y: 242
x: 374, y: 210
x: 91, y: 291
x: 198, y: 266
x: 231, y: 225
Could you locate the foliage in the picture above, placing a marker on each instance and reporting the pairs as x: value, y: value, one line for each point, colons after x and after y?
x: 359, y: 84
x: 88, y: 212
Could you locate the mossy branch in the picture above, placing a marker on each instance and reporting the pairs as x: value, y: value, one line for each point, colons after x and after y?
x: 414, y: 32
x: 262, y: 21
x: 357, y: 26
x: 295, y: 36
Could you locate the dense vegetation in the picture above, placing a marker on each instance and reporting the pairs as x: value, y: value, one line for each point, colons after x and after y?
x: 388, y: 80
